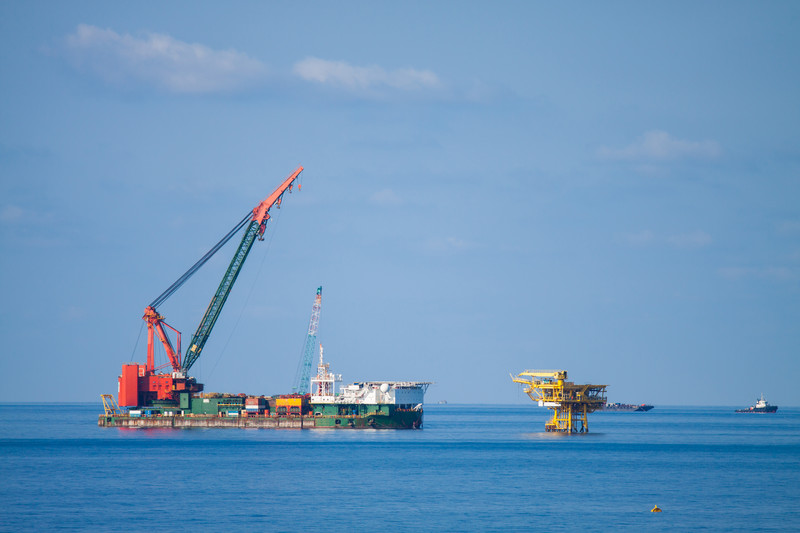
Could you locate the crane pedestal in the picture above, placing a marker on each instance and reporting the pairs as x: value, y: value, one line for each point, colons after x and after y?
x: 571, y: 403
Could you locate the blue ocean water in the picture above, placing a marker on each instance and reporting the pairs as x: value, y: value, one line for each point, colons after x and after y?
x: 472, y: 468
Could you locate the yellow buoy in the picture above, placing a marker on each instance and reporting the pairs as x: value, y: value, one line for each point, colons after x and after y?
x: 655, y: 509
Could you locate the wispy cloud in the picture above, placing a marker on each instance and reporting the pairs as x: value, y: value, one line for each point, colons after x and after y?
x: 695, y: 239
x: 347, y: 76
x: 160, y: 61
x: 659, y: 146
x: 448, y: 244
x: 640, y: 238
x: 789, y: 226
x: 73, y: 313
x: 386, y: 197
x: 769, y: 273
x: 11, y: 213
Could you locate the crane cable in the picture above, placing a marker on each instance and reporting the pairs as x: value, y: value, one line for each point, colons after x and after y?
x: 202, y: 261
x: 274, y: 220
x: 135, y: 346
x: 189, y: 273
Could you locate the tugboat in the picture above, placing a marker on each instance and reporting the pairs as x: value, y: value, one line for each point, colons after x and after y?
x: 761, y: 406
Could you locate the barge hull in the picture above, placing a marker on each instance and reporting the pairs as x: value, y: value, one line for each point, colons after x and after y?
x: 404, y: 421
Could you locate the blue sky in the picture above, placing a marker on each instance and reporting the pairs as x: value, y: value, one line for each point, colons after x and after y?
x: 612, y: 189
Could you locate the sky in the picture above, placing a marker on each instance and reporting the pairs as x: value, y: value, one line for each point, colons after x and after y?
x: 609, y: 188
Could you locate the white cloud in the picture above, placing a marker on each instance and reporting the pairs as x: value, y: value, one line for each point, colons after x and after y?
x: 779, y: 273
x: 11, y: 213
x: 161, y: 61
x: 696, y: 239
x: 789, y: 226
x: 448, y: 244
x: 660, y: 145
x: 386, y: 197
x: 769, y: 273
x: 640, y: 238
x: 73, y: 313
x: 342, y: 74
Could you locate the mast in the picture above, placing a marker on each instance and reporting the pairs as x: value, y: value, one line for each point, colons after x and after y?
x: 304, y: 370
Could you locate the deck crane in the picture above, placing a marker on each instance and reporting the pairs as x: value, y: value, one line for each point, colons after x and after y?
x: 142, y: 385
x: 304, y: 370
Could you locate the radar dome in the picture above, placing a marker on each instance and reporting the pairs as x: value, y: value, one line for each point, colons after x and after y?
x: 384, y: 387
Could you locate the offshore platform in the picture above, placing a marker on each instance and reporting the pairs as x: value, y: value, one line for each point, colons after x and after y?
x: 571, y: 403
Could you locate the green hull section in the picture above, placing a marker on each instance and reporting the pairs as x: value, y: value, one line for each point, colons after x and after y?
x: 397, y: 420
x: 348, y: 417
x: 378, y: 416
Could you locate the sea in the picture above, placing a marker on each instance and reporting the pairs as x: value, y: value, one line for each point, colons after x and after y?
x: 471, y: 468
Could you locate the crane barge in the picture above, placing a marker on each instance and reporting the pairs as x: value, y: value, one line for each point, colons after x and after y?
x: 150, y: 396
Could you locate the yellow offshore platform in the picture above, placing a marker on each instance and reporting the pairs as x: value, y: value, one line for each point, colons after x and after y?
x: 570, y: 402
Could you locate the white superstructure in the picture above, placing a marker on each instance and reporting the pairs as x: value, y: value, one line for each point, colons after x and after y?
x: 405, y: 394
x: 408, y: 394
x: 323, y: 385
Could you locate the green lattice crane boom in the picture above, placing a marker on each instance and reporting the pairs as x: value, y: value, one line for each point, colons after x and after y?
x: 258, y: 223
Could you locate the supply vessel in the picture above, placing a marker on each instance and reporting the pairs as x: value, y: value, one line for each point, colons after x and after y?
x: 150, y: 396
x: 626, y: 407
x: 761, y: 406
